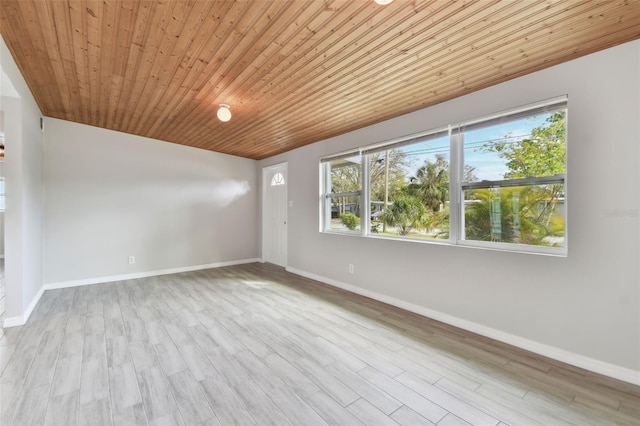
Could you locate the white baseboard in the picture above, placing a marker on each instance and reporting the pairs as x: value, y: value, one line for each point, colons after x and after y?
x: 607, y: 369
x: 22, y: 320
x: 112, y: 278
x: 13, y: 322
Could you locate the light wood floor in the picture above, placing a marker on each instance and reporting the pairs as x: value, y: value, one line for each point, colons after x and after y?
x: 253, y: 344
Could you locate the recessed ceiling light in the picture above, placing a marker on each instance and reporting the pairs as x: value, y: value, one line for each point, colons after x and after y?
x: 383, y: 2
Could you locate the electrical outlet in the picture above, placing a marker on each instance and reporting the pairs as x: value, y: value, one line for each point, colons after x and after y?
x: 132, y: 260
x: 351, y: 268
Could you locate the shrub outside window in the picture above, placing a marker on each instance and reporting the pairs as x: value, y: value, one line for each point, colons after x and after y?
x: 496, y: 182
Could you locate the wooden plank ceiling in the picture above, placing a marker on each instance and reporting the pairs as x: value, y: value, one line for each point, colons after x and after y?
x: 294, y: 72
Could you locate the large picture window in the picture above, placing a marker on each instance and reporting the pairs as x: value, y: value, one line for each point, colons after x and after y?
x: 496, y: 182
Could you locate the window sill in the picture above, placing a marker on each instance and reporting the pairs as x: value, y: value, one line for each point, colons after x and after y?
x: 478, y: 245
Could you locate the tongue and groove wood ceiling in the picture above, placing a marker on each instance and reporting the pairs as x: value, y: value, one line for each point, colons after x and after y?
x: 294, y: 72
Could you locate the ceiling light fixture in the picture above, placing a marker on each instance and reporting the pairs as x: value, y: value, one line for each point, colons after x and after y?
x: 383, y: 2
x: 224, y: 112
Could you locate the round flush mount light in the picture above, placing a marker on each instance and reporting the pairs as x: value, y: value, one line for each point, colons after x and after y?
x: 383, y: 2
x: 224, y: 112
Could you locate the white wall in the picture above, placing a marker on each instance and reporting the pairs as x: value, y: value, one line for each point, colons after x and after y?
x: 583, y: 309
x: 1, y: 212
x: 23, y: 172
x: 110, y: 195
x: 2, y: 235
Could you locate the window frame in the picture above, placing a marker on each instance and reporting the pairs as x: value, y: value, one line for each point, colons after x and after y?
x: 457, y: 186
x: 417, y: 138
x: 530, y: 110
x: 327, y: 196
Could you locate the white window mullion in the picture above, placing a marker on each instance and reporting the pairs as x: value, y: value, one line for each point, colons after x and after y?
x: 365, y: 204
x: 456, y: 203
x: 327, y: 200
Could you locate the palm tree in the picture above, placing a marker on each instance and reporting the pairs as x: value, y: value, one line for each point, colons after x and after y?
x: 524, y: 215
x: 405, y: 213
x: 431, y: 183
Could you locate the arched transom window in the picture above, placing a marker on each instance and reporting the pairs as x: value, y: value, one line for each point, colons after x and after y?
x: 277, y: 179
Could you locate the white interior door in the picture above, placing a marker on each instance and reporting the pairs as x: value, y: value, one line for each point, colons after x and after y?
x: 274, y: 214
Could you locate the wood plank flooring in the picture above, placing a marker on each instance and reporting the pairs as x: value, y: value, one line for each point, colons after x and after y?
x: 255, y: 345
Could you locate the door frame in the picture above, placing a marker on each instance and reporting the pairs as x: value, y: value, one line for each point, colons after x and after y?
x: 265, y: 184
